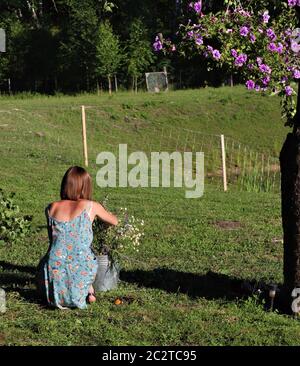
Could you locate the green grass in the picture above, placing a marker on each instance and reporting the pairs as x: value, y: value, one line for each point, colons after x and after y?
x: 181, y: 283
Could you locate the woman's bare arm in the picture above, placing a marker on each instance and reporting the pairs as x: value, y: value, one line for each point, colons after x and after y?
x: 104, y: 215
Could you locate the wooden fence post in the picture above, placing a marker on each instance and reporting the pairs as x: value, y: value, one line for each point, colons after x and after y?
x: 84, y: 141
x: 224, y: 163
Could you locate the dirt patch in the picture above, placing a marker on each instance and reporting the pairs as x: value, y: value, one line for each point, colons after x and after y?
x: 228, y: 225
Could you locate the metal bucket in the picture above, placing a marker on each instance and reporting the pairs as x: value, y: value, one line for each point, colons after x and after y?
x: 2, y: 301
x: 107, y: 277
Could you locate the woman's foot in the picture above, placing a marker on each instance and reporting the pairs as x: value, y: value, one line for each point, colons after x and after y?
x: 91, y: 295
x: 91, y: 298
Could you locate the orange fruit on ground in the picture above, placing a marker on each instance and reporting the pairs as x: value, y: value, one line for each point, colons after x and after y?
x: 118, y: 301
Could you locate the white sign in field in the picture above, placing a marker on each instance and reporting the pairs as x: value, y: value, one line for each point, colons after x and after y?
x: 157, y: 81
x: 2, y: 40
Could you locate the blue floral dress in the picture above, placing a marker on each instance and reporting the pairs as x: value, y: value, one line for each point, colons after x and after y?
x: 69, y: 267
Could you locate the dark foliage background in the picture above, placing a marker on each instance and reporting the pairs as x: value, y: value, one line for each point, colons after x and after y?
x: 51, y: 44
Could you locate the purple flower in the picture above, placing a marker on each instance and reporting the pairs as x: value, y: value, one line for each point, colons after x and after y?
x: 210, y: 49
x: 295, y: 46
x: 272, y: 47
x: 196, y: 6
x: 297, y: 74
x: 257, y: 88
x: 265, y: 69
x: 216, y: 54
x: 252, y: 38
x: 229, y: 30
x: 241, y: 60
x: 244, y: 31
x: 250, y: 66
x: 259, y: 61
x: 280, y: 48
x: 289, y: 91
x: 288, y: 32
x: 234, y: 53
x: 266, y: 17
x: 243, y: 12
x: 271, y: 34
x: 190, y: 34
x: 292, y: 3
x: 250, y: 84
x: 199, y: 40
x: 157, y: 45
x: 265, y: 80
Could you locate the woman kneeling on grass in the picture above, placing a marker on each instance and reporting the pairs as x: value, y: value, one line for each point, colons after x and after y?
x: 68, y: 270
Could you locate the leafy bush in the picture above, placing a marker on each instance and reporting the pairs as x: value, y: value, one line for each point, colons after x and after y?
x: 13, y: 226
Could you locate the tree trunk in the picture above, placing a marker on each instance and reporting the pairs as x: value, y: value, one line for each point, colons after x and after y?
x: 290, y: 209
x: 109, y: 84
x: 9, y: 86
x: 180, y: 79
x: 136, y: 85
x: 290, y: 195
x: 116, y: 83
x: 98, y: 88
x: 290, y: 206
x: 133, y: 81
x: 87, y: 78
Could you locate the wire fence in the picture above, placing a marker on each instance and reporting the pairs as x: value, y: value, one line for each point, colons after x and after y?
x: 43, y: 130
x: 246, y: 168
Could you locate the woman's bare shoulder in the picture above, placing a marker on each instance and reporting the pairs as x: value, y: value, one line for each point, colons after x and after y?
x: 54, y: 203
x: 97, y: 204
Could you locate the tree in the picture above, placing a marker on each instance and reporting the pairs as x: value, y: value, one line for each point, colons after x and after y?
x: 77, y: 32
x: 265, y: 54
x: 108, y: 53
x: 139, y: 54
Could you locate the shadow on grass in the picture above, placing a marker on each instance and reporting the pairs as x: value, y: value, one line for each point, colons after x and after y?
x: 211, y: 286
x: 21, y: 279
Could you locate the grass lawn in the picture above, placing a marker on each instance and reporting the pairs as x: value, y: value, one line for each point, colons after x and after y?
x: 183, y: 287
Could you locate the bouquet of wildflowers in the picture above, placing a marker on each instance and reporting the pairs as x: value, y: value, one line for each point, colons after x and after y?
x: 117, y: 240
